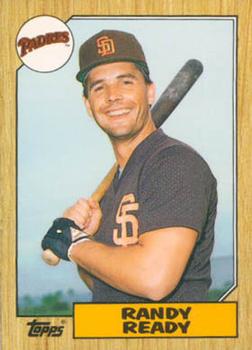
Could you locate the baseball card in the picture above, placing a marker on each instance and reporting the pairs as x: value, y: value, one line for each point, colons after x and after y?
x: 124, y: 153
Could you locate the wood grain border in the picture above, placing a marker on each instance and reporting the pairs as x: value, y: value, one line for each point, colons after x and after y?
x: 13, y: 14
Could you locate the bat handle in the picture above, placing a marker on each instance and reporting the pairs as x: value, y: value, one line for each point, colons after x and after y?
x: 50, y: 258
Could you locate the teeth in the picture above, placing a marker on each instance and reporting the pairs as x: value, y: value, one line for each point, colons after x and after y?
x: 118, y: 112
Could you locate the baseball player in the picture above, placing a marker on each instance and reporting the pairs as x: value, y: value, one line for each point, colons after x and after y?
x: 154, y: 228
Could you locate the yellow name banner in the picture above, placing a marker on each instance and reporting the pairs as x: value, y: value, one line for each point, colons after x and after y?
x: 155, y: 320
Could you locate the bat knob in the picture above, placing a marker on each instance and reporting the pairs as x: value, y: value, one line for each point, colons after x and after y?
x: 50, y: 258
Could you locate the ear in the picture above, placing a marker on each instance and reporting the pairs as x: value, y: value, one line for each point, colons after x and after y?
x: 88, y: 107
x: 151, y: 93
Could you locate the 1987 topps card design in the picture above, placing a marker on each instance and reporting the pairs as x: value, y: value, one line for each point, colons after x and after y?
x: 62, y: 155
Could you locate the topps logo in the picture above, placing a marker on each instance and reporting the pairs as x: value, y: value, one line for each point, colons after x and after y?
x: 28, y: 45
x: 38, y: 329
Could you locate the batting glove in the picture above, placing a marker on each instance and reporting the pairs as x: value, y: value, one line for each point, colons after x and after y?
x: 60, y: 238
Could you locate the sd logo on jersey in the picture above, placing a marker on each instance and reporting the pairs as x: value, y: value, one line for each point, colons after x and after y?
x: 128, y: 231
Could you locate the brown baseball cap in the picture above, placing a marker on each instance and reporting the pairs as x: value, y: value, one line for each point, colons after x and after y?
x: 110, y: 46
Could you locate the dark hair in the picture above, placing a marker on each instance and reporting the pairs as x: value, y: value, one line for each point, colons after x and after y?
x: 146, y: 76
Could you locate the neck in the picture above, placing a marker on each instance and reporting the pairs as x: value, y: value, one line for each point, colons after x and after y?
x: 124, y: 148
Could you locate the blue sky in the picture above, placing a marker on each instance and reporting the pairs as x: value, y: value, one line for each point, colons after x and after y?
x: 62, y: 155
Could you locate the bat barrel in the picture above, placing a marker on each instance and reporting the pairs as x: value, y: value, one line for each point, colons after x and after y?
x: 176, y: 91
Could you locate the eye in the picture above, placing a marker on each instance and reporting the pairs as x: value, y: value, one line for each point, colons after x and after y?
x: 98, y: 88
x: 127, y: 81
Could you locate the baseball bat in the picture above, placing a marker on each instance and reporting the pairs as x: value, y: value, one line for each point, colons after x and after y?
x: 168, y: 101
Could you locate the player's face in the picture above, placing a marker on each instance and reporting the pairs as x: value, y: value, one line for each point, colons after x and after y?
x: 119, y: 99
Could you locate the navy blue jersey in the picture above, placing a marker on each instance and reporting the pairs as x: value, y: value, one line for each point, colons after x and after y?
x: 165, y: 183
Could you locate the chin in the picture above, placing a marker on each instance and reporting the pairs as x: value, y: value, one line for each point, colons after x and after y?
x: 126, y: 135
x: 119, y: 136
x: 118, y: 133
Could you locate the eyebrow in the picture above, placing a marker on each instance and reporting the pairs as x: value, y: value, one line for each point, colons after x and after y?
x: 121, y: 76
x: 128, y: 75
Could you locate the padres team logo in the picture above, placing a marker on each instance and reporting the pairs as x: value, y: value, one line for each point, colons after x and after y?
x: 44, y: 43
x: 29, y: 44
x: 127, y: 221
x: 105, y: 46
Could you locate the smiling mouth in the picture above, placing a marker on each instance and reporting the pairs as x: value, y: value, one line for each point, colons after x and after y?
x: 118, y: 112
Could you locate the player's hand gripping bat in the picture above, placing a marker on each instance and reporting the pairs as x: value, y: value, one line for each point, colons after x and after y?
x: 162, y: 109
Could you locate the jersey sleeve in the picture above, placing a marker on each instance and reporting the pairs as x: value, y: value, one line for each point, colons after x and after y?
x: 175, y: 189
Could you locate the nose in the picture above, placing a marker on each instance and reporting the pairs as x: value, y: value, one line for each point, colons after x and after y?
x: 113, y: 93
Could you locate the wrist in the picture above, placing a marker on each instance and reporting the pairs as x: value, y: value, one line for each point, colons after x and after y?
x: 77, y: 250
